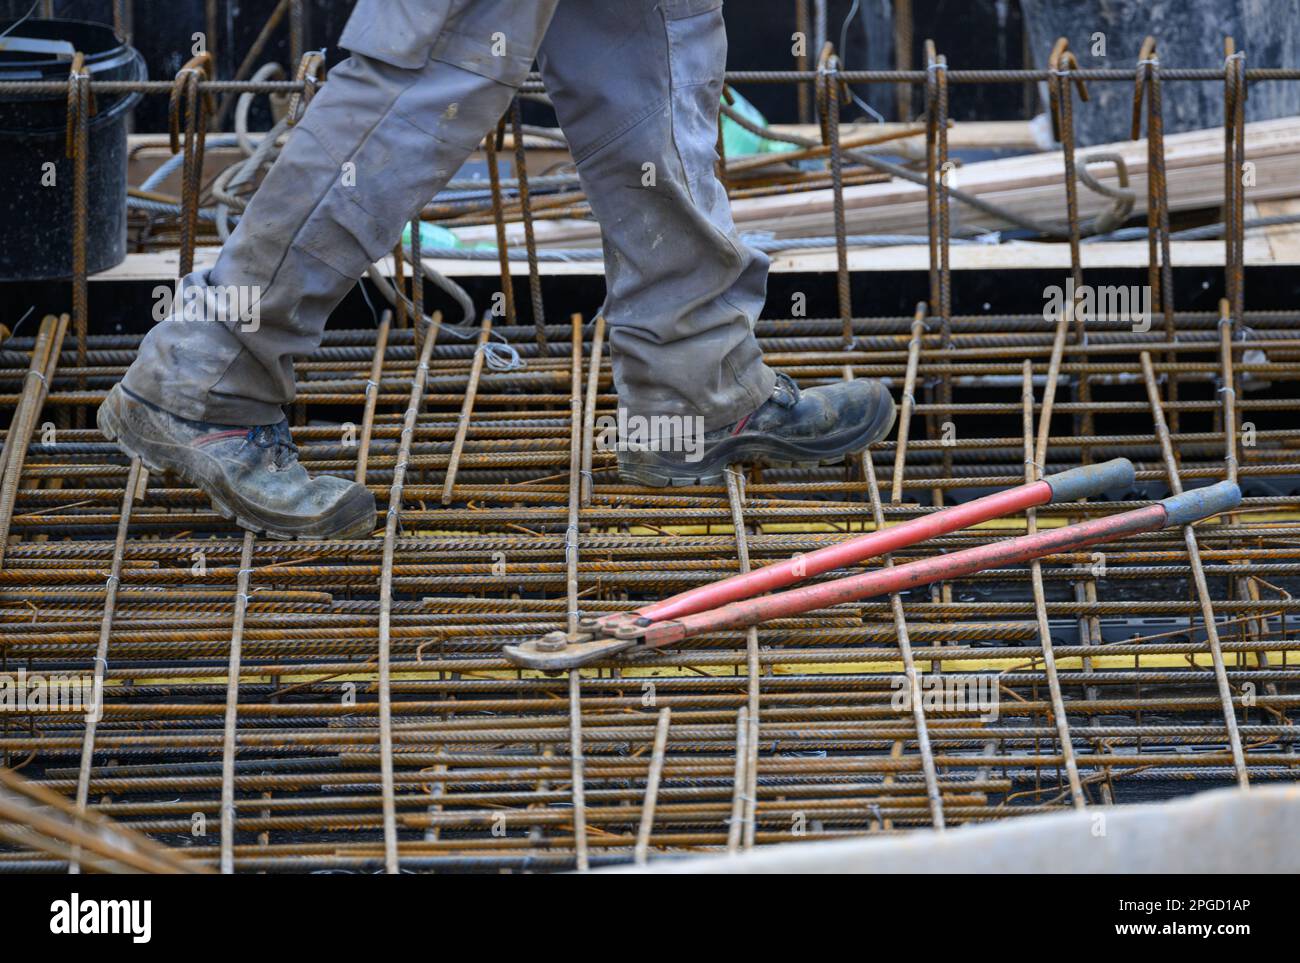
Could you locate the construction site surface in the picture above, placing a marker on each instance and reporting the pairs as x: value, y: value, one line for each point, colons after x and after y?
x: 302, y: 706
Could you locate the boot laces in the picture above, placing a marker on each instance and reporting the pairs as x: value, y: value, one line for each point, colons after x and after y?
x: 786, y: 392
x: 280, y: 442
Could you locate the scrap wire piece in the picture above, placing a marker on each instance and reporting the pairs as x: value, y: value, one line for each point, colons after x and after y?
x: 730, y: 604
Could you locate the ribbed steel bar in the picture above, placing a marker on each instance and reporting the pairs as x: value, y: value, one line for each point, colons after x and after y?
x: 229, y: 737
x: 1202, y: 589
x: 391, y: 521
x: 1032, y: 474
x: 577, y: 757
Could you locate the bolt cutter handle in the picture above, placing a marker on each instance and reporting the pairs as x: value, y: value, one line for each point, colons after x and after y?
x: 560, y: 652
x: 1066, y: 486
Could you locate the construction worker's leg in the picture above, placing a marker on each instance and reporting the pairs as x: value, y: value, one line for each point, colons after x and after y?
x: 636, y: 85
x: 425, y: 81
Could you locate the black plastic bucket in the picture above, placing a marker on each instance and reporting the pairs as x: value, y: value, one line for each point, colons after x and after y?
x: 36, y: 242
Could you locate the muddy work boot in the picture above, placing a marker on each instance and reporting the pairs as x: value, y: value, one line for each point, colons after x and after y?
x: 793, y: 427
x: 252, y: 475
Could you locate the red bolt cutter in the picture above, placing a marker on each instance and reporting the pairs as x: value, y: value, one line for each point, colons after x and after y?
x: 731, y: 603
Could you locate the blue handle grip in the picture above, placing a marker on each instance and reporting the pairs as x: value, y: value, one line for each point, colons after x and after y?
x: 1090, y: 480
x: 1200, y: 503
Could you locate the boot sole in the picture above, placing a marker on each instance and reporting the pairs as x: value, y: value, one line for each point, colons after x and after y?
x: 355, y: 518
x: 765, y: 451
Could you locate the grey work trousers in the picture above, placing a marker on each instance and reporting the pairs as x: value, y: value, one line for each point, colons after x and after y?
x: 635, y: 83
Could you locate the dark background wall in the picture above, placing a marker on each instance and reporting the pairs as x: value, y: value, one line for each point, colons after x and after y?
x: 1189, y: 33
x: 973, y: 33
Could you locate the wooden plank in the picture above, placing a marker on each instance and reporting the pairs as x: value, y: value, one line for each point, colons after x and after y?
x: 1283, y: 239
x: 963, y: 135
x: 161, y: 267
x: 1029, y: 184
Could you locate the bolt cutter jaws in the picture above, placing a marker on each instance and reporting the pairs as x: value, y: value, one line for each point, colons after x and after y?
x: 576, y: 651
x: 622, y: 625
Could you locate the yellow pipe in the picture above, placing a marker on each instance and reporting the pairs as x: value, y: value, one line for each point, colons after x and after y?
x: 884, y: 667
